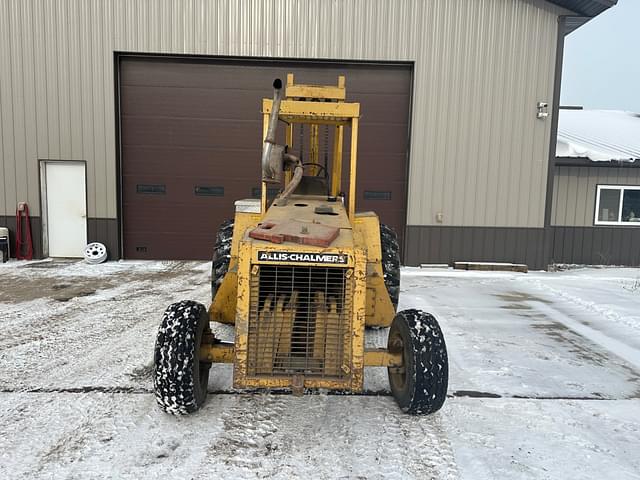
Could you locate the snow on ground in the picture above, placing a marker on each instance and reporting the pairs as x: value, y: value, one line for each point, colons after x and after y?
x: 544, y: 383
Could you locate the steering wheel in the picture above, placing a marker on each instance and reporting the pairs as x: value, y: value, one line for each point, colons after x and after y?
x: 319, y: 165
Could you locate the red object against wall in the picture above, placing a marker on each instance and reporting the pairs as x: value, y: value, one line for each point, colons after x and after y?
x: 20, y: 243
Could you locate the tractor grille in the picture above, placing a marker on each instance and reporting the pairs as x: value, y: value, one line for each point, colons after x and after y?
x: 299, y: 322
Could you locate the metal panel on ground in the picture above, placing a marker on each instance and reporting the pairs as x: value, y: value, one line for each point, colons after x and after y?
x: 191, y: 140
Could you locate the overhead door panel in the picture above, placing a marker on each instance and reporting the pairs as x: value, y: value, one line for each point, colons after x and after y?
x: 190, y: 144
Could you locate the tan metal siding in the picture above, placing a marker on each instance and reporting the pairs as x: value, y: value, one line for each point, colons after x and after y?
x: 574, y: 192
x: 478, y: 154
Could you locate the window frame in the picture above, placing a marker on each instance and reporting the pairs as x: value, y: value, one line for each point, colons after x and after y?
x: 621, y: 189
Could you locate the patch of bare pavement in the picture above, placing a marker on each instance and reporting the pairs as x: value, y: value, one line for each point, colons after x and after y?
x: 538, y: 388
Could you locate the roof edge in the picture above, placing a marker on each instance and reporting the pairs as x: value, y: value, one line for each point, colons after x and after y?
x: 585, y: 8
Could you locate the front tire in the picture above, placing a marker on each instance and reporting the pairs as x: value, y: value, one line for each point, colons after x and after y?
x: 180, y: 378
x: 420, y: 385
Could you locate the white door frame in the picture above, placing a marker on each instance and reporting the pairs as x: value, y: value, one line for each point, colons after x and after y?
x: 44, y: 215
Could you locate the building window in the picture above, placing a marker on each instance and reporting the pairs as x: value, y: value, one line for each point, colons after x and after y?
x: 617, y: 205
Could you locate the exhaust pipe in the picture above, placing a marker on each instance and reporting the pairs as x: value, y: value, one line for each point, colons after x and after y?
x: 294, y: 164
x: 275, y: 110
x: 272, y: 153
x: 274, y: 158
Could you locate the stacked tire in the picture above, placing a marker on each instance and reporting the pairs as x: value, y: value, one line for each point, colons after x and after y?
x: 390, y: 262
x: 221, y: 255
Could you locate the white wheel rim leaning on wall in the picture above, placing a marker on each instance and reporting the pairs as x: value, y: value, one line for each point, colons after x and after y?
x: 95, y: 253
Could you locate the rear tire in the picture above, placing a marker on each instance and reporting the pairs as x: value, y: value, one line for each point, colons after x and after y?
x: 180, y: 378
x: 420, y: 386
x: 221, y: 255
x: 390, y: 262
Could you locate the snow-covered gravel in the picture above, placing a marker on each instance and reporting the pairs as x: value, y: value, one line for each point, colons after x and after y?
x: 544, y: 383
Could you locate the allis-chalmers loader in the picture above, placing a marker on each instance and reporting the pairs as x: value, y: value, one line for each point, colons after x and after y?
x: 301, y: 279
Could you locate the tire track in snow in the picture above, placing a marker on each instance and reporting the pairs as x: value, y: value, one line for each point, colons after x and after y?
x: 322, y: 436
x: 632, y: 322
x: 249, y: 430
x: 614, y: 346
x: 108, y: 335
x: 420, y: 440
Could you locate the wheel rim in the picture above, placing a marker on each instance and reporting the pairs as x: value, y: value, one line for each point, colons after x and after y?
x: 398, y: 379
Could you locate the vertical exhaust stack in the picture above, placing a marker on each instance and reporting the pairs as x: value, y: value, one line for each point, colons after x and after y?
x: 272, y: 154
x: 273, y: 118
x: 274, y: 158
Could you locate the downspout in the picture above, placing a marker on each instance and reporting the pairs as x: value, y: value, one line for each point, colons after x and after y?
x: 553, y: 138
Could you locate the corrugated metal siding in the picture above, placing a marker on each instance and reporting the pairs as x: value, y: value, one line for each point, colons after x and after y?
x: 478, y: 154
x: 431, y: 244
x: 481, y: 158
x: 595, y: 245
x: 574, y: 191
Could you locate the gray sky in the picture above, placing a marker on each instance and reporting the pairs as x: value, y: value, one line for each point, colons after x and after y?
x: 602, y: 61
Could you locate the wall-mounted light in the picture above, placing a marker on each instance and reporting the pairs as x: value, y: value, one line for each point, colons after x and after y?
x: 542, y: 110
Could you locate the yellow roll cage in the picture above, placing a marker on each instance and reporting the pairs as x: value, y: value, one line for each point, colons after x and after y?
x: 317, y: 105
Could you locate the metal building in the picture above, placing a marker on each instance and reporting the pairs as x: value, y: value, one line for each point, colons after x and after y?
x: 137, y: 124
x: 595, y: 217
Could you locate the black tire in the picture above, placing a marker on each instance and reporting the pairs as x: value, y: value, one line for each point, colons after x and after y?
x: 221, y: 255
x: 390, y: 262
x: 420, y: 386
x: 180, y: 378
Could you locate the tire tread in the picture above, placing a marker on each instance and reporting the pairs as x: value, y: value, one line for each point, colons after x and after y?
x: 176, y: 350
x: 221, y: 255
x: 431, y: 366
x: 390, y: 262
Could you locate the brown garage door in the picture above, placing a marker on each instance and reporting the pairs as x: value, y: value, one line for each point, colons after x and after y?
x: 190, y: 139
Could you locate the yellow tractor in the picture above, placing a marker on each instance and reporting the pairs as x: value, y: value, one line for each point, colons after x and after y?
x: 302, y: 278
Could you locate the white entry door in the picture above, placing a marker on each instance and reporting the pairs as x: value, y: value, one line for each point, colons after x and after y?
x: 66, y: 207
